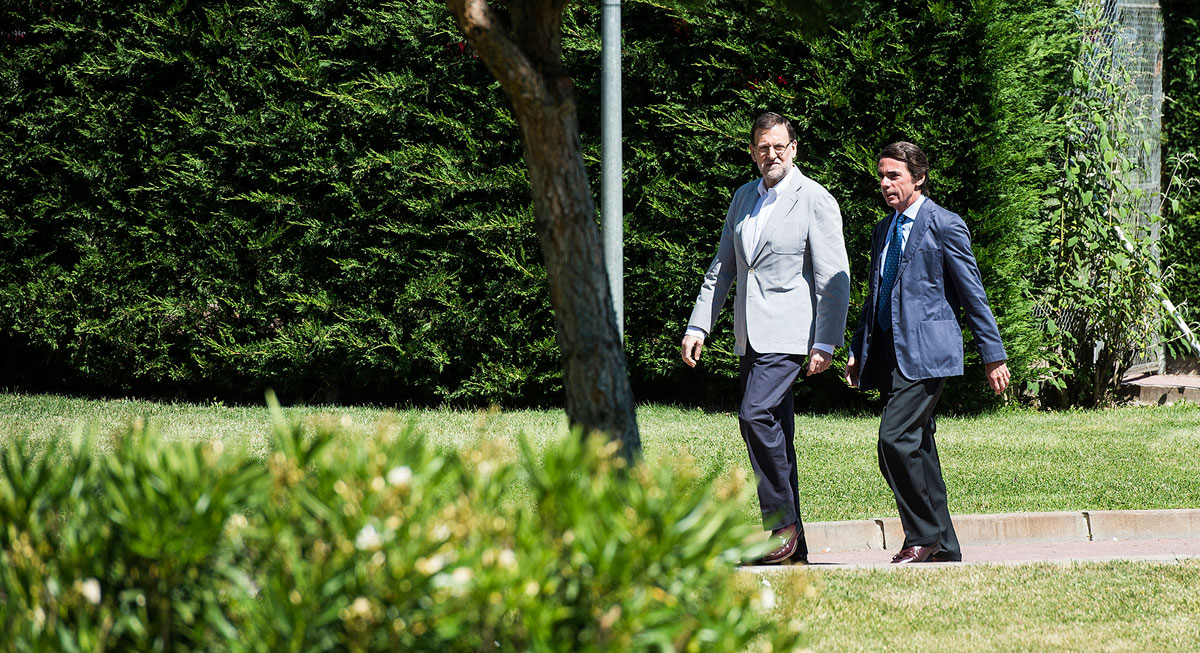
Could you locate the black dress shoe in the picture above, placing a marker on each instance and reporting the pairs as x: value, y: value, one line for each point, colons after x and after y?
x: 916, y: 554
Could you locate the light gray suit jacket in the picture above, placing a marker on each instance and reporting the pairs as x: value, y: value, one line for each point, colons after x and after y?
x: 794, y: 290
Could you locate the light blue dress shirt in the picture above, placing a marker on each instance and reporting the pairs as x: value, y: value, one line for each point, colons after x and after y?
x: 905, y: 229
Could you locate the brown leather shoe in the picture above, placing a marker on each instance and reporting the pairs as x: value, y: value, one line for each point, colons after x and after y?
x: 945, y: 556
x: 916, y: 554
x: 788, y: 552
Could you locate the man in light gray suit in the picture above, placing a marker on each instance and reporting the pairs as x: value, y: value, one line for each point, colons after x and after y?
x: 782, y: 243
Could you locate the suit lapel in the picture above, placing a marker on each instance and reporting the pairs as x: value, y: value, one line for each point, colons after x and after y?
x: 920, y: 226
x: 739, y: 245
x: 787, y: 204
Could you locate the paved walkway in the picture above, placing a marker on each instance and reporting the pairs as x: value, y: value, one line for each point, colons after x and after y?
x: 1019, y: 538
x: 1180, y: 380
x: 1159, y: 550
x: 1161, y: 389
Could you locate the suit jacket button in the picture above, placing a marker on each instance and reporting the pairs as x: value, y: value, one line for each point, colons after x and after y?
x: 751, y: 270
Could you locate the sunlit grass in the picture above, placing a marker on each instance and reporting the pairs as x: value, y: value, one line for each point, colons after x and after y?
x: 1110, y: 606
x: 1009, y: 461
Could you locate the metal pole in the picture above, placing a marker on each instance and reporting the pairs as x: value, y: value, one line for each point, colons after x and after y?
x: 611, y: 199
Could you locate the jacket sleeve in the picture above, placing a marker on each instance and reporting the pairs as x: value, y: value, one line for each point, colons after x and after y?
x: 963, y: 272
x: 831, y: 271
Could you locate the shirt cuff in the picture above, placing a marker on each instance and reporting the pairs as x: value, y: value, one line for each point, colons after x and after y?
x: 696, y: 331
x: 828, y: 349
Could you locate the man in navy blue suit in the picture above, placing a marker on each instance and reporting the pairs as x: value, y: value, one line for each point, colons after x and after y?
x: 923, y: 275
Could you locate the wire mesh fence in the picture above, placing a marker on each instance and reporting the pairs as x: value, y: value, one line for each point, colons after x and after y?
x: 1138, y: 47
x: 1134, y: 37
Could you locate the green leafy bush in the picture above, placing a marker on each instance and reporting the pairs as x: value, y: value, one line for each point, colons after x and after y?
x: 1098, y: 303
x: 212, y: 199
x: 339, y: 542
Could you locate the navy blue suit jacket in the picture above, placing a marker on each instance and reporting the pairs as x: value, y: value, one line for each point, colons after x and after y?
x: 937, y: 281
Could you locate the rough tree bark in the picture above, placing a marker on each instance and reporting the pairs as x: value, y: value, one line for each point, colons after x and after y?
x: 523, y: 51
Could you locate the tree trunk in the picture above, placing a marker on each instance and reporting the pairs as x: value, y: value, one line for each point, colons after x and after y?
x: 527, y: 60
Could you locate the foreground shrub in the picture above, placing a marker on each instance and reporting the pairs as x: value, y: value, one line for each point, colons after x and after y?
x: 338, y: 542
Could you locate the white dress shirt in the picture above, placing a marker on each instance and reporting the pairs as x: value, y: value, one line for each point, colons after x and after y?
x: 768, y: 199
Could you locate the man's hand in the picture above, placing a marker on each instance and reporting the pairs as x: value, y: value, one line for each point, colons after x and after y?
x: 818, y: 361
x: 997, y: 375
x: 691, y: 348
x: 852, y: 372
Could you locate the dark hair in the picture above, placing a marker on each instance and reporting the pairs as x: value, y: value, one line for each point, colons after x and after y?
x: 769, y: 120
x: 912, y: 157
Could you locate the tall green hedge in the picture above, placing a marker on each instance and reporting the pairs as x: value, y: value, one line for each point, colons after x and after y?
x: 322, y: 197
x: 328, y: 198
x: 1181, y: 137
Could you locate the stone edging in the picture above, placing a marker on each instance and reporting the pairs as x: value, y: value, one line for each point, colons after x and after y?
x: 1014, y: 528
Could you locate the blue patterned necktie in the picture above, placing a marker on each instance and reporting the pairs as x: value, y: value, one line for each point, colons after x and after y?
x: 890, y: 265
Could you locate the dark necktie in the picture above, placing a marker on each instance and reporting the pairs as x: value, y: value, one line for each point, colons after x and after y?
x: 890, y: 265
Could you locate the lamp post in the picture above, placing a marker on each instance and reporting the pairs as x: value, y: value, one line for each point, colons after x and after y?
x: 611, y: 199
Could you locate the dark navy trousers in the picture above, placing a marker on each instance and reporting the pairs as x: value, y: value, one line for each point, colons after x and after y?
x: 767, y: 420
x: 908, y: 456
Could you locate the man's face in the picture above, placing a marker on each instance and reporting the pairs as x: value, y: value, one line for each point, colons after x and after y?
x: 772, y: 152
x: 897, y: 184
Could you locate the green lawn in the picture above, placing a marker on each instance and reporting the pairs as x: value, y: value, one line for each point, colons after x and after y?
x: 1008, y: 461
x: 1111, y: 606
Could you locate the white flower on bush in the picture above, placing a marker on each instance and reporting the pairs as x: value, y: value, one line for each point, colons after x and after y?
x: 504, y: 558
x: 432, y: 565
x: 400, y: 477
x: 508, y: 559
x: 236, y: 522
x: 368, y: 539
x: 361, y: 607
x: 90, y: 589
x: 766, y: 597
x: 455, y: 581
